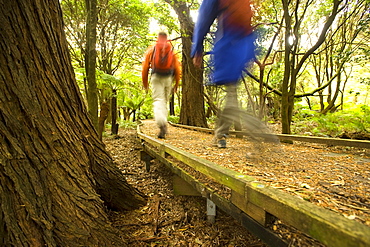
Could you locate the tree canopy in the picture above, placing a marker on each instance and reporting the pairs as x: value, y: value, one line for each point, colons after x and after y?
x: 309, y: 52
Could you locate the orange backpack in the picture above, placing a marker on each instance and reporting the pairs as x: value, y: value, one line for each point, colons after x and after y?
x: 163, y: 59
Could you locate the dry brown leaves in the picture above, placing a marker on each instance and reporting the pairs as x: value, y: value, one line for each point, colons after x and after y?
x: 167, y: 219
x: 336, y: 178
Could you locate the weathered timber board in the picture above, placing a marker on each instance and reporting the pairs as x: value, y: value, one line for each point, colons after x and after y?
x: 322, y: 224
x: 269, y: 237
x: 232, y: 179
x: 311, y: 139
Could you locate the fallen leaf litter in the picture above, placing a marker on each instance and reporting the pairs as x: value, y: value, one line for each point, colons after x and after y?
x: 335, y: 178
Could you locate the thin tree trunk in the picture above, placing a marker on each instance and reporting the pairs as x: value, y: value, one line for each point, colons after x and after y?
x: 90, y: 60
x: 114, y: 128
x: 262, y: 95
x: 56, y: 178
x: 172, y: 105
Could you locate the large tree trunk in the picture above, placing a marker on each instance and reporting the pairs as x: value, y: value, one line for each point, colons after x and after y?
x: 55, y: 176
x: 192, y: 102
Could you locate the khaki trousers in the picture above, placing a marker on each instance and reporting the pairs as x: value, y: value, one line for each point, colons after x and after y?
x: 161, y: 90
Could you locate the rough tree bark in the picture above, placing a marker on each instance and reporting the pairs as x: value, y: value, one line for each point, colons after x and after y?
x: 56, y: 178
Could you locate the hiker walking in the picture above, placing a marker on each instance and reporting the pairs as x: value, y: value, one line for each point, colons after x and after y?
x: 165, y: 68
x: 233, y: 49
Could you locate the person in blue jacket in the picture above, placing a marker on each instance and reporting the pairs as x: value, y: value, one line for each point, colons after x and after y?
x: 233, y: 49
x: 234, y: 44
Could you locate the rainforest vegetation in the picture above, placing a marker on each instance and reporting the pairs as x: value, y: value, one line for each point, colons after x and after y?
x: 70, y: 72
x: 311, y: 74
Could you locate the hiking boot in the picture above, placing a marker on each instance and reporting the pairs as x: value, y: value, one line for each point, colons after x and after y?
x: 219, y: 142
x: 162, y: 132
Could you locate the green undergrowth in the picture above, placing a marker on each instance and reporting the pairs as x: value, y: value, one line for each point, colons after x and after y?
x: 173, y: 119
x: 128, y: 124
x: 352, y: 123
x: 346, y: 122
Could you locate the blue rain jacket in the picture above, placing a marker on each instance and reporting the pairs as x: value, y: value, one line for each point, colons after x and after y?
x: 233, y: 47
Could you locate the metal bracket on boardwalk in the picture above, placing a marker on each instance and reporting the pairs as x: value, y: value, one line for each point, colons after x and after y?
x: 211, y: 211
x: 254, y: 205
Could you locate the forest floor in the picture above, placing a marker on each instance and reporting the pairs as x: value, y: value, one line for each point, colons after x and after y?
x: 342, y: 185
x: 167, y: 219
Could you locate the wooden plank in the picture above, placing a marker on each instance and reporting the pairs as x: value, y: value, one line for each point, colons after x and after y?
x: 254, y: 211
x: 312, y: 139
x: 266, y: 235
x: 183, y: 188
x: 206, y: 130
x: 326, y: 226
x: 270, y: 238
x: 230, y: 178
x: 224, y: 176
x: 327, y: 141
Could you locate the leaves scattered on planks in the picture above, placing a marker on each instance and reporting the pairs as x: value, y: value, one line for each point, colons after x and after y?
x: 167, y: 220
x: 336, y: 178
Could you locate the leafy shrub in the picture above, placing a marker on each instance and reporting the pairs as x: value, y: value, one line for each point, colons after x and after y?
x: 173, y: 119
x: 354, y: 120
x: 212, y: 119
x: 127, y: 124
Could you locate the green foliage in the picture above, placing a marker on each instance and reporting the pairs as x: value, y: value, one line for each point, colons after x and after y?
x: 165, y: 18
x: 323, y: 8
x: 123, y: 124
x: 122, y: 24
x: 131, y: 97
x: 134, y: 101
x: 146, y: 110
x: 355, y: 120
x: 127, y: 124
x: 173, y: 119
x: 80, y: 77
x: 124, y: 34
x: 212, y: 120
